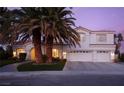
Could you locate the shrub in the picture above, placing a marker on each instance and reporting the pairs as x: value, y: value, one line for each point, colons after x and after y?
x: 64, y: 60
x: 22, y: 56
x: 14, y: 58
x: 44, y: 58
x: 2, y: 53
x: 56, y: 59
x: 41, y: 67
x: 122, y: 57
x: 9, y: 52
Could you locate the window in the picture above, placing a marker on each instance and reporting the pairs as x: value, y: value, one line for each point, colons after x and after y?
x: 80, y: 51
x: 101, y: 37
x: 55, y: 53
x: 64, y: 55
x: 102, y: 51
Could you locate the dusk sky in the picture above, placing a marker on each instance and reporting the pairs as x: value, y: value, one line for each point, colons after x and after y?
x: 98, y: 18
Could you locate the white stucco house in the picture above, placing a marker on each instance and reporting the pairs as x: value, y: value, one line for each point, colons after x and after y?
x: 96, y: 46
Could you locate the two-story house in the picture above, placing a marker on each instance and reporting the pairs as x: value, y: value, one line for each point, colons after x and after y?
x: 95, y: 46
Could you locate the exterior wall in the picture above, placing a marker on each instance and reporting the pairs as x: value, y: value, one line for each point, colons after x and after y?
x: 93, y: 39
x: 109, y: 39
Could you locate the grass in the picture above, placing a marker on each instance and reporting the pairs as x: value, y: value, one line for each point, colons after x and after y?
x: 42, y: 67
x: 7, y: 62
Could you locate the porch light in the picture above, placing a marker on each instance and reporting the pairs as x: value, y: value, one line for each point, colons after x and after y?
x: 64, y: 55
x: 112, y: 55
x: 14, y: 54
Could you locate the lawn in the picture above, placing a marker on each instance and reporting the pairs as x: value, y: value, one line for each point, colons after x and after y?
x: 7, y: 62
x: 42, y: 66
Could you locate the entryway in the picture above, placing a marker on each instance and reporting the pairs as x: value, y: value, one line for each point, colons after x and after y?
x: 32, y: 54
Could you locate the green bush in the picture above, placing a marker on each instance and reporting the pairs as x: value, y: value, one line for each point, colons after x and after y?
x: 41, y: 67
x: 22, y: 56
x: 9, y: 52
x: 2, y: 53
x: 14, y: 58
x: 56, y: 59
x: 121, y: 57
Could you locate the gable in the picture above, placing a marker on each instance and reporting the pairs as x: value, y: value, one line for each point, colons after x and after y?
x: 82, y: 30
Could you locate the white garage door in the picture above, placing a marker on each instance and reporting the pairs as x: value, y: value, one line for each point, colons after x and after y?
x: 102, y: 56
x: 83, y: 56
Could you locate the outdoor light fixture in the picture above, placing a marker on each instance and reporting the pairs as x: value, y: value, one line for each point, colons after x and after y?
x: 14, y: 54
x: 112, y: 55
x: 64, y: 55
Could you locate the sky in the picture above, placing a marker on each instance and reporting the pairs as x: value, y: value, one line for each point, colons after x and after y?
x: 99, y: 18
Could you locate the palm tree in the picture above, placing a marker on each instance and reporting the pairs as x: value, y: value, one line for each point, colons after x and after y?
x: 21, y: 25
x: 4, y: 22
x: 118, y: 38
x: 55, y: 23
x: 31, y: 25
x: 59, y: 29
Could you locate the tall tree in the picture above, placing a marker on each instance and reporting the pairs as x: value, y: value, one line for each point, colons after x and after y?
x: 118, y: 38
x: 4, y: 22
x: 31, y: 26
x: 20, y: 25
x: 55, y: 23
x: 59, y: 29
x: 7, y: 24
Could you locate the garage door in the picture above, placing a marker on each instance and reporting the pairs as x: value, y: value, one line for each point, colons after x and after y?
x: 102, y: 56
x: 83, y: 56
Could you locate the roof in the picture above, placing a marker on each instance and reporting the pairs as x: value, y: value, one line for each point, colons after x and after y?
x: 21, y: 42
x: 81, y: 29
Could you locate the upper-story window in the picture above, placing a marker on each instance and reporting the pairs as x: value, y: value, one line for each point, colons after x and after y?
x: 101, y: 37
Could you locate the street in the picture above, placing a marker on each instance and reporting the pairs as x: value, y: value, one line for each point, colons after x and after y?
x: 61, y: 78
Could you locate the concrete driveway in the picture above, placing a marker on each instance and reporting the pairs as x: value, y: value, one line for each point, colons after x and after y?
x: 94, y: 66
x: 11, y: 67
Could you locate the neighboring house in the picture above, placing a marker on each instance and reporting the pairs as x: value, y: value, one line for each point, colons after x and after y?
x: 95, y: 46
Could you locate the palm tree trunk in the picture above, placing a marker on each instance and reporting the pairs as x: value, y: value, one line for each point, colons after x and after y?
x: 49, y: 52
x: 37, y: 46
x: 49, y: 47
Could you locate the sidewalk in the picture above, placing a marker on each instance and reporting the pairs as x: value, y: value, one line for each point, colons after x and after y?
x: 11, y: 67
